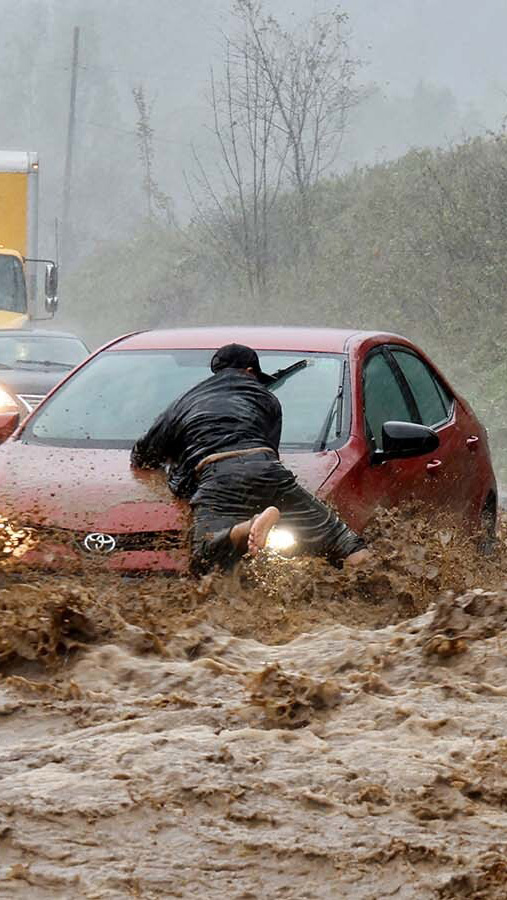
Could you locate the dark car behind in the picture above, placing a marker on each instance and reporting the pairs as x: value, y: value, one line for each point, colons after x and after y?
x: 32, y: 362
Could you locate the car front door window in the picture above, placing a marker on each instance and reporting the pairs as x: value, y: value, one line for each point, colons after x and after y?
x: 451, y: 477
x: 384, y: 399
x: 434, y: 404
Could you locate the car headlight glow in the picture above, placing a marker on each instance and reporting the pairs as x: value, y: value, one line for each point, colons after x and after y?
x: 280, y: 539
x: 14, y: 541
x: 7, y: 402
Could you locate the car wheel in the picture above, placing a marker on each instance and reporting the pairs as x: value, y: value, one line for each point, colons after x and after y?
x: 487, y: 539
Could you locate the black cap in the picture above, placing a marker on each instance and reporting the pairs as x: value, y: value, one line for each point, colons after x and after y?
x: 237, y: 356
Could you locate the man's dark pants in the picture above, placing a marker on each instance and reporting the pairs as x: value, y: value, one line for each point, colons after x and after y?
x: 233, y: 490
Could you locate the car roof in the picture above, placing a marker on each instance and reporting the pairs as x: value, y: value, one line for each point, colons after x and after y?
x: 38, y: 332
x: 325, y: 340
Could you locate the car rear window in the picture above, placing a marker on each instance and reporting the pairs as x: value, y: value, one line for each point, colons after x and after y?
x: 116, y: 396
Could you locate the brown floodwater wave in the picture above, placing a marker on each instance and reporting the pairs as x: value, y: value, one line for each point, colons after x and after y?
x: 289, y: 731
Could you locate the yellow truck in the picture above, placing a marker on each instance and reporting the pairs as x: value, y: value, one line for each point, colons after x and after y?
x: 19, y: 202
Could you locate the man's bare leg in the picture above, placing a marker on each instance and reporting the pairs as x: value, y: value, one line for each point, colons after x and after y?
x: 252, y: 534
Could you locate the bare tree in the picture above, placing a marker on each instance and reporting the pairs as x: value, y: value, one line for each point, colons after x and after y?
x: 310, y: 74
x: 156, y: 199
x: 279, y: 116
x: 249, y: 173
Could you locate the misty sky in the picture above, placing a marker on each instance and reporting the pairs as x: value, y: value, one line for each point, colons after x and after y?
x: 457, y: 43
x: 168, y: 47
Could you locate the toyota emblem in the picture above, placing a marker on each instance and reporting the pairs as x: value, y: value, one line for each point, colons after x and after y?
x: 99, y: 543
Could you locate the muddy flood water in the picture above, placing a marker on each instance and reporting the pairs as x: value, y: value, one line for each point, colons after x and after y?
x: 291, y: 731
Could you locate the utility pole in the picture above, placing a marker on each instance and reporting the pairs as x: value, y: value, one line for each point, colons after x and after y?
x: 70, y: 147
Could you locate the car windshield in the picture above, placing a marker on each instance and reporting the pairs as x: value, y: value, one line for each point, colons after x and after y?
x: 115, y: 398
x: 18, y: 351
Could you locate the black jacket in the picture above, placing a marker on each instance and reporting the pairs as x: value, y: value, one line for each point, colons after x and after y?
x: 229, y: 411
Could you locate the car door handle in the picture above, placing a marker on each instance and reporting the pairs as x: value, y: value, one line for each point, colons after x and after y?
x: 472, y: 442
x: 433, y: 465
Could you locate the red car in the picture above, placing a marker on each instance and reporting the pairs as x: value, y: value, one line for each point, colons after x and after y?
x: 368, y: 421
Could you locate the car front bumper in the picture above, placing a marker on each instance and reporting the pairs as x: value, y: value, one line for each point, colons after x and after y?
x: 140, y: 552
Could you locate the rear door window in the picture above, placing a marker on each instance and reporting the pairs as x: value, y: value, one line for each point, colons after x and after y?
x: 432, y: 398
x: 384, y: 399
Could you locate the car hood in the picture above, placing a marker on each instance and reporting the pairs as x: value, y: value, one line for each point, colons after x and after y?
x: 97, y: 490
x: 31, y: 381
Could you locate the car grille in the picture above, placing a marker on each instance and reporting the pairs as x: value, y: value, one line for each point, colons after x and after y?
x: 30, y: 401
x: 144, y: 540
x: 131, y: 541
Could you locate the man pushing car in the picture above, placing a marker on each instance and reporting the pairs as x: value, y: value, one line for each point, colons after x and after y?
x: 221, y: 441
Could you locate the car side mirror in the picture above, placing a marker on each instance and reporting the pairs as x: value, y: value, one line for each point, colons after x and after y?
x: 402, y: 440
x: 9, y: 421
x: 51, y: 288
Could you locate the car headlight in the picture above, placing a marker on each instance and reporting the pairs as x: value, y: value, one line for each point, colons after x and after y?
x: 280, y: 539
x: 7, y: 402
x: 14, y: 541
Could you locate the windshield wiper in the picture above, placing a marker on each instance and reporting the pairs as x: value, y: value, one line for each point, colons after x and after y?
x: 281, y: 375
x: 44, y: 362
